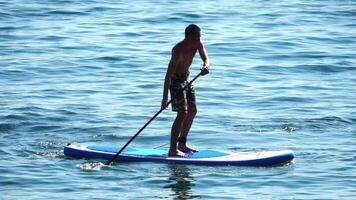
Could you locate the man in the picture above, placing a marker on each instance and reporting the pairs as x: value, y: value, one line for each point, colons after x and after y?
x: 177, y: 76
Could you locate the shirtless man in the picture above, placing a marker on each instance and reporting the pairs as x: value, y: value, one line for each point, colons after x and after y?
x: 177, y: 76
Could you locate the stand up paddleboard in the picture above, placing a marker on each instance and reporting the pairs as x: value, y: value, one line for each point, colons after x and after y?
x: 204, y: 157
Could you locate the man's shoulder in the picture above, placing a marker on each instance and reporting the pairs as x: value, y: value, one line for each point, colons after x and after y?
x: 178, y: 45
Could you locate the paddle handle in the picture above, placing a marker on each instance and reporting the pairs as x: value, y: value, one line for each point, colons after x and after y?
x: 149, y: 121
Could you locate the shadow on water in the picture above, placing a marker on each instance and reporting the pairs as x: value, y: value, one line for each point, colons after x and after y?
x: 181, y: 182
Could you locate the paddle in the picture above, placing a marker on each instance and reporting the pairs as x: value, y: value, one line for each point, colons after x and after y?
x: 149, y: 121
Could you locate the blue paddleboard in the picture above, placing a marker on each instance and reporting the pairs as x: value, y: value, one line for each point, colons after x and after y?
x: 204, y: 157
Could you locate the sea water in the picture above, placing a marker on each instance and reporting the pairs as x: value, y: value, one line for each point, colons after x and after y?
x: 283, y: 76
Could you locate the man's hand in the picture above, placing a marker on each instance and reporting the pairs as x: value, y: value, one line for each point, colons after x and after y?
x: 164, y: 103
x: 204, y: 70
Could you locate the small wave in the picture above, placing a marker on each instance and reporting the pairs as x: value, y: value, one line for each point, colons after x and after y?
x: 91, y: 166
x: 51, y: 38
x: 148, y: 85
x: 5, y: 127
x: 186, y: 17
x: 307, y: 68
x: 66, y: 112
x: 335, y: 119
x: 183, y: 15
x: 110, y: 58
x: 291, y: 99
x: 10, y: 28
x: 5, y: 15
x: 289, y: 127
x: 132, y: 34
x: 5, y: 36
x: 50, y: 144
x: 30, y: 108
x: 319, y: 68
x: 352, y: 119
x: 16, y: 117
x: 330, y: 120
x: 64, y: 12
x: 100, y: 9
x: 52, y: 154
x: 44, y: 127
x: 281, y: 44
x: 274, y: 69
x: 18, y: 74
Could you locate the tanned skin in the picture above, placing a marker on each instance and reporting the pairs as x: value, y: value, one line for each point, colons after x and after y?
x: 182, y: 57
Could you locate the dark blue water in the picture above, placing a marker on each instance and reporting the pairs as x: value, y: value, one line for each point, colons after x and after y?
x: 283, y: 76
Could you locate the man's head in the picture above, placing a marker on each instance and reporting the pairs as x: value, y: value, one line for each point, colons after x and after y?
x: 192, y: 32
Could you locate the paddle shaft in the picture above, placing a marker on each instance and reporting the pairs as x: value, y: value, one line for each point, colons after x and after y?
x: 149, y: 121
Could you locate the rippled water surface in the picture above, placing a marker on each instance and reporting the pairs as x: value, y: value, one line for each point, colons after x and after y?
x: 283, y: 76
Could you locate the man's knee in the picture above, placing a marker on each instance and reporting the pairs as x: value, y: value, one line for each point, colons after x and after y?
x: 192, y: 111
x: 181, y: 115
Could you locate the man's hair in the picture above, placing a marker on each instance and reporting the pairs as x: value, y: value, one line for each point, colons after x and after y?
x: 192, y: 29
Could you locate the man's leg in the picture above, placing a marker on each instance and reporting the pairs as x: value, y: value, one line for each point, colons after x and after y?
x: 176, y: 129
x: 187, y: 124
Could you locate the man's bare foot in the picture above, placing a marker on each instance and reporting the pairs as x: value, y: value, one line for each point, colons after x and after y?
x: 184, y: 148
x: 176, y: 153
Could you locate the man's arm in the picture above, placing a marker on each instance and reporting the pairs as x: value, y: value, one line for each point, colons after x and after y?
x: 170, y: 71
x: 204, y: 56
